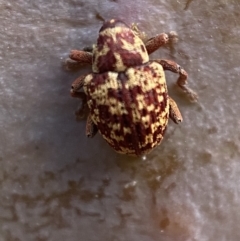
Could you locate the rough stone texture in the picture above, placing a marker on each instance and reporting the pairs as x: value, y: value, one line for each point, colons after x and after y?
x: 58, y: 185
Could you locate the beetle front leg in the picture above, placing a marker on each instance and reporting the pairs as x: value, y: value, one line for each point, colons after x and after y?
x: 156, y: 42
x: 160, y: 40
x: 78, y: 58
x: 81, y: 56
x: 174, y: 112
x: 140, y: 34
x: 182, y: 79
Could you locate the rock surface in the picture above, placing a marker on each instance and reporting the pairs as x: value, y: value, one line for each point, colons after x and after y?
x: 58, y: 185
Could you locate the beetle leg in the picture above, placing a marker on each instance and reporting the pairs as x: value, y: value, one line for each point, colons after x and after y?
x: 174, y: 112
x: 76, y: 86
x: 182, y: 79
x: 81, y: 56
x: 91, y: 128
x: 82, y: 109
x: 156, y: 42
x: 78, y: 58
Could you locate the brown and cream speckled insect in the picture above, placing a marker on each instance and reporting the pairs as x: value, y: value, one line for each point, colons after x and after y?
x: 126, y: 92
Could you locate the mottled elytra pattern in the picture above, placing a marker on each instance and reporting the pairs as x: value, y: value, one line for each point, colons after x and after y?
x: 126, y: 93
x: 130, y: 112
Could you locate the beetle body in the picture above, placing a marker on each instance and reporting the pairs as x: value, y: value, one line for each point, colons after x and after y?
x: 130, y: 113
x: 126, y: 92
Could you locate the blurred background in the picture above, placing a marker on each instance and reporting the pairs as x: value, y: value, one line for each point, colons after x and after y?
x: 57, y: 185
